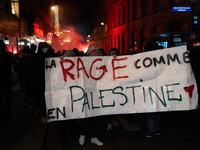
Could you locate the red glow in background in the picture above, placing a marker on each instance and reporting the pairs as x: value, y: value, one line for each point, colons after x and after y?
x: 70, y: 40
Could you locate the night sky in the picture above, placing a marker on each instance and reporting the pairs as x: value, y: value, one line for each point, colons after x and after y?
x: 74, y: 13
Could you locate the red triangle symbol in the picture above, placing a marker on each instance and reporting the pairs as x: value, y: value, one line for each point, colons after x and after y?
x: 189, y: 89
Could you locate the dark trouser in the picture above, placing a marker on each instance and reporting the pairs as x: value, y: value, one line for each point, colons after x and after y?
x: 110, y: 118
x: 94, y: 122
x: 27, y: 96
x: 37, y: 93
x: 20, y: 77
x: 153, y: 120
x: 65, y: 126
x: 5, y: 109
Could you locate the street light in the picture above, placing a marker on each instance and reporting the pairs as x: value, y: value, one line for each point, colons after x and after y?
x: 56, y: 19
x: 53, y: 8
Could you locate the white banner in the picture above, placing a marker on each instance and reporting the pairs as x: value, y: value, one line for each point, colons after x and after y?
x: 80, y: 87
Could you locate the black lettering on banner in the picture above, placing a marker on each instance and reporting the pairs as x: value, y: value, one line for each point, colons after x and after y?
x: 186, y: 57
x: 158, y: 61
x: 53, y: 63
x: 50, y: 111
x: 169, y: 57
x: 145, y: 60
x: 62, y: 113
x: 136, y: 66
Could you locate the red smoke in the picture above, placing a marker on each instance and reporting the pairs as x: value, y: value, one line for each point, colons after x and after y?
x: 68, y: 40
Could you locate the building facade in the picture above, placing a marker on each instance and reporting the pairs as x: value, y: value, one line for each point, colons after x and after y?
x: 135, y: 22
x: 23, y: 22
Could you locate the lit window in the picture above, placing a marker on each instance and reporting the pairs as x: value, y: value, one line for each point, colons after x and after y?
x: 13, y: 8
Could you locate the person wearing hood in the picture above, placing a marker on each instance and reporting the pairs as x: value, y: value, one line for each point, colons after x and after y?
x: 113, y: 52
x: 37, y: 78
x: 93, y: 50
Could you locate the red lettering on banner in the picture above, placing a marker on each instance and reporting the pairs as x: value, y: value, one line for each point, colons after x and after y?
x: 66, y: 70
x: 98, y: 68
x: 103, y: 68
x: 118, y: 67
x: 83, y: 67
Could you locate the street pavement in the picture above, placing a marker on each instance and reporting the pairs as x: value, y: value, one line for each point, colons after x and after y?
x: 24, y: 131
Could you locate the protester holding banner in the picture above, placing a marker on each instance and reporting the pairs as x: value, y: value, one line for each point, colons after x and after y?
x: 87, y: 87
x: 37, y: 77
x: 111, y: 118
x: 153, y: 119
x: 131, y: 51
x: 93, y: 50
x: 27, y: 101
x: 66, y: 124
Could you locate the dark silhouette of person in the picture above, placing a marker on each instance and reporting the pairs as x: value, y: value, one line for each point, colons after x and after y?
x: 18, y: 68
x: 76, y: 51
x: 112, y: 118
x: 26, y: 55
x: 67, y: 125
x: 153, y: 119
x: 103, y: 52
x: 93, y: 50
x: 37, y: 77
x: 131, y: 51
x: 63, y: 52
x: 5, y: 82
x: 58, y: 53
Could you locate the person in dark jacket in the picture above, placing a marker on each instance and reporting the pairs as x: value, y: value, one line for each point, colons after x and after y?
x: 18, y: 68
x: 26, y: 55
x: 131, y: 51
x: 67, y: 127
x: 5, y: 81
x: 112, y: 118
x: 153, y: 119
x: 37, y: 78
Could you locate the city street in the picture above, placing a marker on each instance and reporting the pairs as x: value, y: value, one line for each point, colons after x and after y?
x: 96, y: 58
x: 25, y: 131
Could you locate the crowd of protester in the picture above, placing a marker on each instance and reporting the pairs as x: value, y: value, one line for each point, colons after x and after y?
x: 29, y: 66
